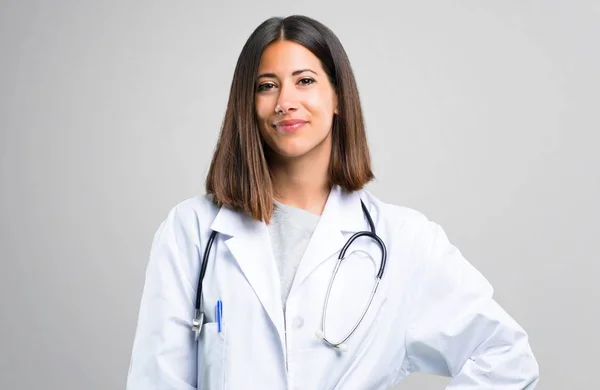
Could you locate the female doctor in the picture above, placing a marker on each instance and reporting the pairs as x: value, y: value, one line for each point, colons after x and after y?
x: 288, y: 274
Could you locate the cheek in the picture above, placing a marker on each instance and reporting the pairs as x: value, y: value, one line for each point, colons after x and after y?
x: 322, y: 105
x: 262, y: 116
x: 323, y: 115
x: 264, y: 106
x: 260, y: 113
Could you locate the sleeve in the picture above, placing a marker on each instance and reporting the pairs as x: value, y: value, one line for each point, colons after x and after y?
x: 458, y: 330
x: 164, y: 350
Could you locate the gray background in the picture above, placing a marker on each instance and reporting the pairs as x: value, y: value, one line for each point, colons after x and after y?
x: 484, y: 115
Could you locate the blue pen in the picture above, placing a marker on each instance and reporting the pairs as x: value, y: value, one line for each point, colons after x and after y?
x: 219, y: 314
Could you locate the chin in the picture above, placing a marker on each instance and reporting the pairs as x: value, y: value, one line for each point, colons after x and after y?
x: 291, y: 153
x: 295, y: 148
x: 292, y: 149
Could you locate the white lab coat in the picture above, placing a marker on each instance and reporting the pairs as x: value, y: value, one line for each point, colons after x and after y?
x: 433, y: 311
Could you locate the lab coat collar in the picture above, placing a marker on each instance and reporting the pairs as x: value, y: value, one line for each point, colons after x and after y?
x: 342, y: 214
x: 342, y: 208
x: 250, y: 245
x: 345, y: 211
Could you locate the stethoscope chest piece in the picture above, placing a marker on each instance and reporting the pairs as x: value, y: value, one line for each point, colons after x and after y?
x: 197, y: 323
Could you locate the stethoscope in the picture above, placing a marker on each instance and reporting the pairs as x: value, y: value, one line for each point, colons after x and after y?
x: 321, y: 334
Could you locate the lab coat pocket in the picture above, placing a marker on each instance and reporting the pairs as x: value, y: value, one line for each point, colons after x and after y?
x: 211, y: 357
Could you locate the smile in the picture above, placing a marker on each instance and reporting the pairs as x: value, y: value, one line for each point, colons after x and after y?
x: 289, y: 127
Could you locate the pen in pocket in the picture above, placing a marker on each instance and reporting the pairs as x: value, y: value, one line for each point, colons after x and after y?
x: 219, y: 314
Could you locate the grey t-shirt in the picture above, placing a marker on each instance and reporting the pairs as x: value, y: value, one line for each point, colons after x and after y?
x: 290, y: 229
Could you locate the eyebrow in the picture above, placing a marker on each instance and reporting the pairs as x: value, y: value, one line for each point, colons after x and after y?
x: 294, y: 73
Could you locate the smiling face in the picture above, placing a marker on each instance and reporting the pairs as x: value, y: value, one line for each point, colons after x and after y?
x: 291, y: 80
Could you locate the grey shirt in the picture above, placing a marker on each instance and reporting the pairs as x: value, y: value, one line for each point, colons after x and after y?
x: 290, y: 229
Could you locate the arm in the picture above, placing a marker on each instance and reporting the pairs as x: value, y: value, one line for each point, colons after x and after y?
x: 164, y: 352
x: 458, y: 330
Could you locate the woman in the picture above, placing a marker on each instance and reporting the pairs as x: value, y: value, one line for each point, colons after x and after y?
x: 285, y: 194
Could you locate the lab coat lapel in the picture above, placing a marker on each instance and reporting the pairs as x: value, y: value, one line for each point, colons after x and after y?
x: 250, y: 245
x: 342, y: 213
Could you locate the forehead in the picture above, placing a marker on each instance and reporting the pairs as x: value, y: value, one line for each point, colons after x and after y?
x: 287, y: 56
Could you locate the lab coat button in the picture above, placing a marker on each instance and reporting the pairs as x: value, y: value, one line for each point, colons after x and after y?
x: 297, y: 323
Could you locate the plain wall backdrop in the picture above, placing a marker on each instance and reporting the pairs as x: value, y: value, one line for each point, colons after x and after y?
x: 484, y: 115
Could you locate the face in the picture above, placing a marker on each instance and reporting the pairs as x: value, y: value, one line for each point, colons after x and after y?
x: 292, y: 81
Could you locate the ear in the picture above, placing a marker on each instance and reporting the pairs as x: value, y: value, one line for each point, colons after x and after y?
x: 335, y: 107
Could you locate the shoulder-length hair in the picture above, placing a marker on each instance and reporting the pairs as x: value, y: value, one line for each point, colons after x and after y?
x: 239, y: 176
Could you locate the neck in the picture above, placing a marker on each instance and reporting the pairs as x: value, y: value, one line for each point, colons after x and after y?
x: 303, y: 182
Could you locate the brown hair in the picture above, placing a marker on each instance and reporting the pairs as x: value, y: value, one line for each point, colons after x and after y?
x: 239, y: 175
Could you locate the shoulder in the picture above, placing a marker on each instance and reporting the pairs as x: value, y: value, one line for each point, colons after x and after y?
x: 431, y: 258
x: 196, y: 207
x: 189, y: 217
x: 402, y: 217
x: 408, y: 225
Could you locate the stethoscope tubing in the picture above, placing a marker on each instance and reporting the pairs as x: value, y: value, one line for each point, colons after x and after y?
x: 199, y: 314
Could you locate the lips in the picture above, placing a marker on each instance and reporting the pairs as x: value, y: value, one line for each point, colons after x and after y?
x: 290, y: 125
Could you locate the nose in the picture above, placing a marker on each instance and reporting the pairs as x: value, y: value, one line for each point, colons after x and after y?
x: 286, y: 101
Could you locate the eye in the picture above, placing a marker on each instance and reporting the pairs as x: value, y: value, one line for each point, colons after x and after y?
x: 265, y: 87
x: 306, y: 81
